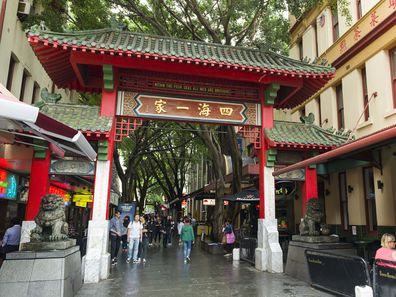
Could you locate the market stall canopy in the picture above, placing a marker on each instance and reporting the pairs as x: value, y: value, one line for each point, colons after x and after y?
x: 20, y: 121
x: 247, y: 195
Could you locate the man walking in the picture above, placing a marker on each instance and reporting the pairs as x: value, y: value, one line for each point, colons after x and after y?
x: 134, y: 237
x: 115, y: 236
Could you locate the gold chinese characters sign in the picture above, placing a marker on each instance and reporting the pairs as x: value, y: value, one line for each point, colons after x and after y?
x: 192, y: 110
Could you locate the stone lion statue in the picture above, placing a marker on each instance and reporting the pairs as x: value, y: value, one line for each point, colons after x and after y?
x: 310, y: 223
x: 50, y: 221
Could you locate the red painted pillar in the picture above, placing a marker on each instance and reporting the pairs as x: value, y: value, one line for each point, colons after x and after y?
x: 108, y: 107
x: 267, y: 121
x: 310, y: 187
x: 38, y: 184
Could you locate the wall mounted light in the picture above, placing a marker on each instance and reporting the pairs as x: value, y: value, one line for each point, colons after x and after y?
x: 380, y: 184
x: 350, y: 189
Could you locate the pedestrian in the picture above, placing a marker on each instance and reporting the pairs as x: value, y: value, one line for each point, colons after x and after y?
x: 157, y: 231
x: 187, y: 236
x: 230, y: 238
x: 387, y: 251
x: 179, y: 229
x: 115, y: 236
x: 134, y: 237
x: 166, y: 231
x: 124, y: 231
x: 145, y: 240
x: 11, y: 239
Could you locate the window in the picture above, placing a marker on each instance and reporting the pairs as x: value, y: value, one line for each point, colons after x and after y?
x: 340, y: 107
x: 36, y: 93
x: 369, y: 194
x: 315, y: 27
x: 365, y: 95
x: 393, y: 74
x: 300, y: 49
x: 358, y: 9
x: 317, y: 100
x: 336, y: 29
x: 11, y: 70
x: 343, y: 200
x: 25, y: 78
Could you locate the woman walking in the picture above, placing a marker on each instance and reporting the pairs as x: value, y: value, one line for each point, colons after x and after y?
x: 187, y: 236
x: 124, y: 231
x: 145, y: 240
x: 230, y: 238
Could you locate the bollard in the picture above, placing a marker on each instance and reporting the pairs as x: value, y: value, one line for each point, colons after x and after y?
x: 235, y: 254
x: 365, y: 291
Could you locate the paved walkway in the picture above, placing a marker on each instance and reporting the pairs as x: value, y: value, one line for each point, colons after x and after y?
x: 165, y: 275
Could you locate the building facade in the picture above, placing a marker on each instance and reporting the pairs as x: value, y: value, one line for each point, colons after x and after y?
x: 360, y: 198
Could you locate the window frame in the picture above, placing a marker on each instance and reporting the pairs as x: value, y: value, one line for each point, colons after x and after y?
x: 335, y: 24
x: 392, y: 57
x: 373, y: 214
x: 36, y: 90
x: 343, y: 203
x: 359, y: 11
x: 366, y: 111
x: 12, y: 65
x: 340, y: 109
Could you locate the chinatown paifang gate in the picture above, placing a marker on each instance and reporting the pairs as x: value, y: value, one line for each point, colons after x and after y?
x: 154, y: 77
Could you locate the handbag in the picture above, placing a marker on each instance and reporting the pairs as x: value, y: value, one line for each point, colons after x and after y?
x: 230, y: 238
x: 224, y: 239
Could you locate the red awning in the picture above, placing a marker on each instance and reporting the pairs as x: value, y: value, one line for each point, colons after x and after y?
x: 375, y: 139
x: 18, y: 118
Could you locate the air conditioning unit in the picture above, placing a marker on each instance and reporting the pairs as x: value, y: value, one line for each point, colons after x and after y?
x: 24, y: 7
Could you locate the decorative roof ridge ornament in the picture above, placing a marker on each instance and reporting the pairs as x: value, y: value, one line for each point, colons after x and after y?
x: 308, y: 120
x: 47, y: 97
x: 341, y: 133
x: 37, y: 28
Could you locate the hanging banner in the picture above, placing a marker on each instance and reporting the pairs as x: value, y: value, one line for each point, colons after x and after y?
x: 188, y: 109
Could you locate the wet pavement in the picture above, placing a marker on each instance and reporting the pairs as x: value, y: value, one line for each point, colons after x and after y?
x: 165, y: 275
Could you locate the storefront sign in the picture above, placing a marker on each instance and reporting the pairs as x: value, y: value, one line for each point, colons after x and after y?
x: 210, y: 202
x: 60, y: 192
x: 285, y: 187
x: 192, y: 110
x: 8, y: 185
x: 72, y: 167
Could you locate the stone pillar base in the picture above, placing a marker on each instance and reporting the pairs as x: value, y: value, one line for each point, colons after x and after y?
x: 268, y: 252
x: 45, y: 274
x: 96, y: 262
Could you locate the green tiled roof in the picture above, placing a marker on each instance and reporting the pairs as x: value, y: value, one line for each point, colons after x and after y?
x: 80, y: 117
x: 124, y: 42
x: 302, y: 135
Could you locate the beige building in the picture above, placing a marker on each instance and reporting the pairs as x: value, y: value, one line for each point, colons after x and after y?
x: 21, y: 72
x: 360, y: 188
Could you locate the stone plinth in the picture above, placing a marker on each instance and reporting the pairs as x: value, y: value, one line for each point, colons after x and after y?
x: 47, y: 245
x: 44, y: 274
x: 315, y: 239
x: 296, y: 265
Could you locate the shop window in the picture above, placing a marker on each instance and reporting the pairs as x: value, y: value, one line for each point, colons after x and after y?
x: 342, y: 183
x: 25, y: 79
x: 336, y: 26
x: 365, y: 95
x: 358, y: 9
x: 393, y: 74
x: 340, y: 107
x: 369, y: 194
x: 36, y: 93
x: 11, y: 71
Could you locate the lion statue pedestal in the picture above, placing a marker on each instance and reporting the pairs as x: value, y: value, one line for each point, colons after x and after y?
x: 313, y: 235
x: 49, y: 265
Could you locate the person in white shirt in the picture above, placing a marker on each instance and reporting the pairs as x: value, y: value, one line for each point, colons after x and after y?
x: 134, y: 237
x: 179, y: 228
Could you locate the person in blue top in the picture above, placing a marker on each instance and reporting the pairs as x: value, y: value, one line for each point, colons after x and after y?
x: 187, y: 236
